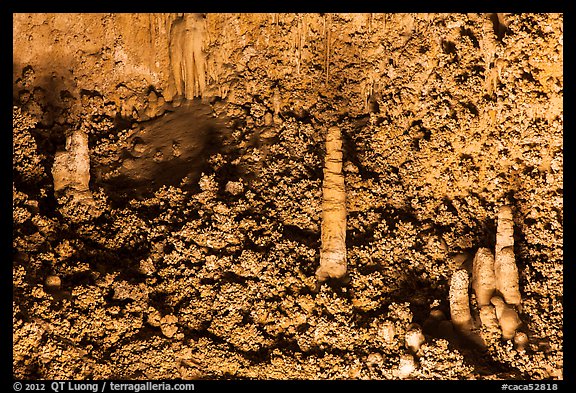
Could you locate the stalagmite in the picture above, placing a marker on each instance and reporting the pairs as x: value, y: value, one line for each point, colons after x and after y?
x: 491, y: 277
x: 507, y: 317
x: 460, y: 308
x: 483, y: 278
x: 406, y: 366
x: 71, y: 169
x: 53, y: 282
x: 490, y: 321
x: 459, y: 303
x: 521, y: 341
x: 414, y: 338
x: 333, y: 251
x: 505, y: 230
x: 505, y: 268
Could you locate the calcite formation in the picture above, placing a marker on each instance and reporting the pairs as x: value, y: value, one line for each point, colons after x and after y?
x: 506, y: 271
x: 483, y: 277
x: 414, y: 338
x: 333, y: 252
x: 71, y: 169
x: 203, y: 262
x: 495, y: 285
x: 459, y: 302
x: 186, y: 55
x: 507, y: 317
x: 406, y: 366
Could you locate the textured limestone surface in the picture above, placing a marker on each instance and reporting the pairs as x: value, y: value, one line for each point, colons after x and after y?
x: 206, y: 144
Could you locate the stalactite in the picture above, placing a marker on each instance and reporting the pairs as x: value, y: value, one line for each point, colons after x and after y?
x: 186, y: 55
x: 299, y: 40
x: 327, y: 35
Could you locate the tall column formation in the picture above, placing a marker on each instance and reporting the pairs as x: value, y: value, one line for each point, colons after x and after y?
x: 333, y: 250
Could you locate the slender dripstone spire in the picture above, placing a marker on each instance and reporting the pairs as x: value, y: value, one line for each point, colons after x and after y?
x: 333, y: 250
x: 483, y: 277
x: 505, y: 267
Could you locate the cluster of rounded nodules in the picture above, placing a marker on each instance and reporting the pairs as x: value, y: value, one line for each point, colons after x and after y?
x: 496, y: 289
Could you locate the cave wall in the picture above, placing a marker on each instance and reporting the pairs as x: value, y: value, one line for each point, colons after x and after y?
x: 343, y: 59
x: 123, y: 55
x: 465, y: 75
x: 445, y: 117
